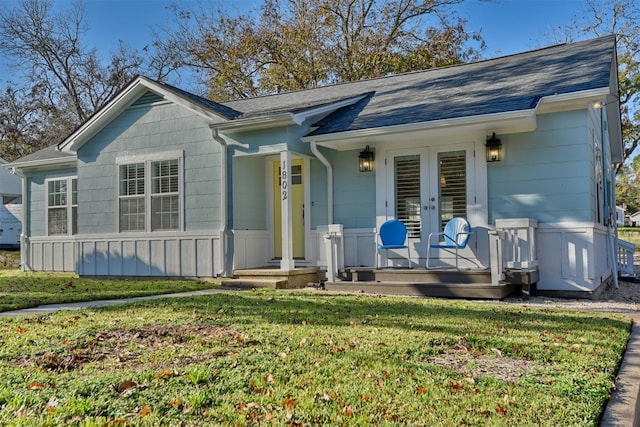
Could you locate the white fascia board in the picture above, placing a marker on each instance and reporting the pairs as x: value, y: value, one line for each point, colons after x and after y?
x: 572, y: 100
x: 509, y: 122
x: 43, y: 164
x: 123, y: 100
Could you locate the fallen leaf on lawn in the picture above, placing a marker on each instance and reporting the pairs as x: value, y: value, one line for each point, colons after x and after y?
x: 500, y: 410
x: 455, y: 385
x: 35, y: 386
x: 366, y: 397
x: 20, y: 330
x: 168, y: 373
x: 268, y: 377
x: 175, y: 402
x: 347, y: 411
x: 125, y: 385
x: 144, y: 411
x: 289, y: 403
x: 421, y: 390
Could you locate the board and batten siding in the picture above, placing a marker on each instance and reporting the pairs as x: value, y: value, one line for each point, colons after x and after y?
x: 145, y: 130
x: 545, y: 174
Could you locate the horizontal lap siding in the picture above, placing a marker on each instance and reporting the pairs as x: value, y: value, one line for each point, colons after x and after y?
x: 138, y: 132
x: 354, y: 192
x: 36, y: 200
x: 546, y: 174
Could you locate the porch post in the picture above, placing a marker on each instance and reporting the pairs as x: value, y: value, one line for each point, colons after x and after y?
x: 287, y: 262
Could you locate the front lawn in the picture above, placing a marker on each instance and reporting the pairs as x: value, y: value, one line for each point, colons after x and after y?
x: 302, y: 358
x: 26, y: 290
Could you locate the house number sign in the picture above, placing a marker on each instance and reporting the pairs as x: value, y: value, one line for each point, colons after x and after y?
x: 284, y: 181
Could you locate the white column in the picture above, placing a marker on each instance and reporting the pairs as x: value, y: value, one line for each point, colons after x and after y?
x: 287, y: 262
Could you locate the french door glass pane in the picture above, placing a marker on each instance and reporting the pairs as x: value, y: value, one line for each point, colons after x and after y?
x: 407, y: 193
x: 453, y: 186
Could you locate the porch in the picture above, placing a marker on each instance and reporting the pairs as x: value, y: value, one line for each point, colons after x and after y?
x: 442, y: 283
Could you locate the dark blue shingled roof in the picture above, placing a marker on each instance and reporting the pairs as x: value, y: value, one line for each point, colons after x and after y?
x: 510, y: 83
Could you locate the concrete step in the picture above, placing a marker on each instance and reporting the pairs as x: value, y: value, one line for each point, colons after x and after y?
x: 273, y: 278
x: 256, y: 282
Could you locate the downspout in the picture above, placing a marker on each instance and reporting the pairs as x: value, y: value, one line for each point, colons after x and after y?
x: 612, y: 230
x: 224, y: 202
x: 24, y: 240
x: 325, y: 162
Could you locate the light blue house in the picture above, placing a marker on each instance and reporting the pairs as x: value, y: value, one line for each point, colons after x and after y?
x: 161, y: 182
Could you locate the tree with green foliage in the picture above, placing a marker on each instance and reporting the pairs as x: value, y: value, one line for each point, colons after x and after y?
x: 299, y: 44
x: 64, y: 81
x: 620, y: 17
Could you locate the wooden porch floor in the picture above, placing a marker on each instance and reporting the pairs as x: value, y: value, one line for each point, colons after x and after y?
x: 443, y: 283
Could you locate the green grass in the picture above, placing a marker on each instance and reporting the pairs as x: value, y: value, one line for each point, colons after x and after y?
x: 630, y: 234
x: 25, y: 290
x: 301, y: 358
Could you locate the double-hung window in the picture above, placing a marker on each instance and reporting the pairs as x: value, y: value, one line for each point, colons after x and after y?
x: 62, y: 206
x: 149, y: 197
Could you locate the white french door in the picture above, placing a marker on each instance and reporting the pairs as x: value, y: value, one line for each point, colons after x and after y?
x: 426, y: 187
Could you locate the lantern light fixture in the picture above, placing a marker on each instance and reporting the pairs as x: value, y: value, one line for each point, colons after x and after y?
x: 494, y: 148
x: 366, y: 160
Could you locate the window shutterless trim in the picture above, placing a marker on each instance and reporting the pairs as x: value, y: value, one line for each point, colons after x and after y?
x: 68, y: 206
x: 148, y: 161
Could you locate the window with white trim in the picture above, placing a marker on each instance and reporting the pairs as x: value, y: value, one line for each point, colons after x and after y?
x: 149, y: 196
x: 62, y: 206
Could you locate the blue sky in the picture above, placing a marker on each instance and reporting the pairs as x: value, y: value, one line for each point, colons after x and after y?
x: 508, y: 26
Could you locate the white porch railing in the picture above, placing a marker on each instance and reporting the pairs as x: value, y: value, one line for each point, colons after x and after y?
x: 513, y: 248
x: 624, y: 255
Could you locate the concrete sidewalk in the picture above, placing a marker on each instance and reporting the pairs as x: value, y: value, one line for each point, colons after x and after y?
x: 620, y: 411
x: 52, y: 308
x: 623, y: 406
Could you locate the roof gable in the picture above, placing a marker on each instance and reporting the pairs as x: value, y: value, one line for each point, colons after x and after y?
x: 144, y: 90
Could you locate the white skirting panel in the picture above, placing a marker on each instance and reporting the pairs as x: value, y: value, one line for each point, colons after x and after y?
x: 51, y: 255
x: 359, y: 247
x: 573, y: 257
x: 250, y: 248
x: 184, y: 254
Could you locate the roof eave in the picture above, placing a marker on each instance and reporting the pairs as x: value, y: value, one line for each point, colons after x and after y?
x: 70, y: 161
x: 509, y: 122
x: 120, y: 102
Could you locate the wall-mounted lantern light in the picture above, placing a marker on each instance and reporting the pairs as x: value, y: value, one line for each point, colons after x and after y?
x: 494, y: 149
x: 366, y: 160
